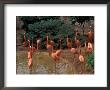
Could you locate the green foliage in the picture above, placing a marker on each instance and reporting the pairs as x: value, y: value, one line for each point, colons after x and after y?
x: 54, y: 27
x: 37, y: 27
x: 90, y: 60
x: 45, y: 26
x: 32, y: 19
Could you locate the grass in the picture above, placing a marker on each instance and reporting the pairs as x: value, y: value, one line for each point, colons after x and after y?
x: 66, y: 65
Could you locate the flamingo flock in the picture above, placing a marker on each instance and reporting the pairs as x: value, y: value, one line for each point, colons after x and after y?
x: 74, y: 46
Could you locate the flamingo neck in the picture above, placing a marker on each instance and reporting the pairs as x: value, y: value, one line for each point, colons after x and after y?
x: 85, y: 44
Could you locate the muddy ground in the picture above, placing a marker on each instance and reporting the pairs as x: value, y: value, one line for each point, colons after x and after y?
x: 44, y: 64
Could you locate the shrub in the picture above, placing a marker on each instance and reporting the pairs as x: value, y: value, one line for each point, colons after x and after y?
x: 90, y: 60
x: 54, y: 27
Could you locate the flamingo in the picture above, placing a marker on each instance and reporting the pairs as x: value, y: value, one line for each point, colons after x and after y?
x: 69, y: 44
x: 48, y: 46
x: 29, y: 57
x: 38, y: 42
x: 90, y: 36
x: 81, y: 59
x: 52, y: 42
x: 77, y: 42
x: 89, y: 48
x: 56, y: 55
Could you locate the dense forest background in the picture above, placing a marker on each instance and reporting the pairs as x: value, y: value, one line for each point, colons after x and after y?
x: 56, y: 26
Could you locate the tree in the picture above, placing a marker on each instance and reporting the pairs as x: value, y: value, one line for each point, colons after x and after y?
x: 81, y: 19
x: 38, y: 26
